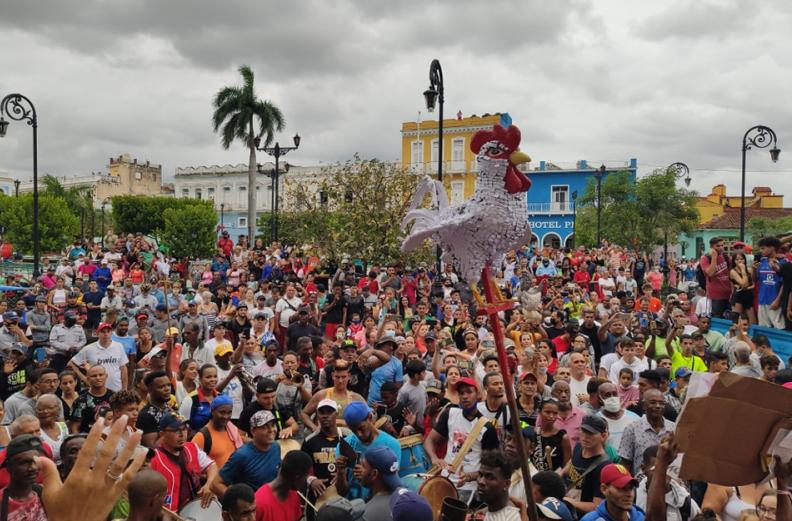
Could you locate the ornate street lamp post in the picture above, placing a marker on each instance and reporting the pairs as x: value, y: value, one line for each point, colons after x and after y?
x: 435, y: 93
x: 277, y: 151
x: 759, y: 136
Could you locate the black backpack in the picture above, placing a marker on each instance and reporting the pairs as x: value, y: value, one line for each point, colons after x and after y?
x: 701, y: 278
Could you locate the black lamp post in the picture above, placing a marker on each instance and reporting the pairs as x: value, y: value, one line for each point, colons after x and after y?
x: 274, y: 174
x: 19, y: 108
x: 598, y: 175
x: 222, y: 212
x: 758, y: 136
x: 16, y: 187
x: 574, y: 219
x: 435, y: 93
x: 277, y: 151
x: 104, y: 203
x: 680, y: 171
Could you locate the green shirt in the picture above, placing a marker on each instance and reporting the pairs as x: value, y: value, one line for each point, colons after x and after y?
x: 692, y: 362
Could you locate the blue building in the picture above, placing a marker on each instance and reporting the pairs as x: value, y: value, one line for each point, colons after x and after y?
x: 550, y: 199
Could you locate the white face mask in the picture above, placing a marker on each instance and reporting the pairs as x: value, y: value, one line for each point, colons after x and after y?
x: 611, y: 404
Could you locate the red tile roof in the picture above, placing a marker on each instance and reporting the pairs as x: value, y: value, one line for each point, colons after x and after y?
x: 730, y: 220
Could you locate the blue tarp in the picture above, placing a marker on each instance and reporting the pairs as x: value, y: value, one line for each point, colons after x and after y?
x: 13, y: 288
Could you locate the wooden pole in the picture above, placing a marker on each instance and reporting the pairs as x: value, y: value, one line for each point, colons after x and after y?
x: 497, y: 329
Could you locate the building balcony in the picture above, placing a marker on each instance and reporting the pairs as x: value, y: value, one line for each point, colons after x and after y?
x: 551, y: 208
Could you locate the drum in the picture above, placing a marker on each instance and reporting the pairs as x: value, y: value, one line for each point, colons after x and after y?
x: 413, y: 457
x: 329, y: 493
x: 287, y: 446
x: 192, y: 511
x: 434, y: 488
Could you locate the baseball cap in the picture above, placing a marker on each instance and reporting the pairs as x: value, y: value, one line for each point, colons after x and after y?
x: 386, y: 340
x: 348, y: 344
x: 242, y: 305
x: 406, y: 505
x: 341, y: 509
x: 617, y: 475
x: 223, y: 349
x: 466, y: 381
x: 302, y: 311
x: 527, y: 374
x: 552, y: 508
x: 21, y: 444
x: 129, y: 303
x: 327, y: 402
x: 261, y: 418
x: 140, y: 316
x: 18, y: 346
x: 172, y: 331
x: 10, y: 315
x: 260, y: 314
x: 356, y: 412
x: 156, y: 350
x: 682, y: 372
x: 41, y: 298
x: 384, y: 460
x: 192, y: 302
x: 171, y: 420
x: 430, y: 335
x: 266, y: 385
x: 161, y: 307
x: 738, y: 244
x: 593, y: 424
x: 434, y: 389
x: 103, y: 326
x: 527, y: 432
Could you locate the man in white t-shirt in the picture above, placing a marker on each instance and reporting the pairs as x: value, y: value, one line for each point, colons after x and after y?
x: 108, y: 354
x: 628, y: 359
x: 271, y: 366
x: 579, y: 379
x: 614, y: 413
x: 287, y: 306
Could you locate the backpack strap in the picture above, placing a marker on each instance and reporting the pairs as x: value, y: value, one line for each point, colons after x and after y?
x: 684, y: 510
x: 207, y: 439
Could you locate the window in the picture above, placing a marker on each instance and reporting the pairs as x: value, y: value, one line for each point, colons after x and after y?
x: 417, y: 152
x: 458, y: 149
x: 348, y: 196
x: 457, y: 192
x: 198, y: 193
x: 435, y: 151
x: 242, y: 222
x: 185, y: 192
x: 322, y: 197
x: 210, y: 194
x: 226, y: 188
x: 559, y: 198
x: 242, y: 189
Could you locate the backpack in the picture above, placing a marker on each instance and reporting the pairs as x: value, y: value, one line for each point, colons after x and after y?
x: 207, y: 439
x: 701, y: 278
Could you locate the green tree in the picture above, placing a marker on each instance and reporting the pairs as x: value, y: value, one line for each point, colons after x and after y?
x: 57, y: 224
x: 189, y: 231
x: 639, y: 214
x: 78, y: 198
x: 248, y: 119
x: 759, y: 227
x: 357, y: 211
x: 144, y: 214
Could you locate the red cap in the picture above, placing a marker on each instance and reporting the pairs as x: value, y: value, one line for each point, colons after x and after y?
x: 617, y: 475
x: 466, y: 381
x: 104, y: 325
x: 738, y: 244
x: 787, y: 385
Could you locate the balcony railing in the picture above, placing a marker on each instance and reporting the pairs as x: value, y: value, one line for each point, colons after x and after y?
x: 551, y: 208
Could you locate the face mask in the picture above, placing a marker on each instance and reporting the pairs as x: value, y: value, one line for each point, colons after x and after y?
x: 69, y: 322
x: 611, y: 404
x: 546, y: 263
x: 390, y: 333
x: 543, y: 370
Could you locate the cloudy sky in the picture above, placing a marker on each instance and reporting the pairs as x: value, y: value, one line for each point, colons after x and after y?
x: 677, y: 80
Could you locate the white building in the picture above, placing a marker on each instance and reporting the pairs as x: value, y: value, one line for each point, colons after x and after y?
x: 227, y: 187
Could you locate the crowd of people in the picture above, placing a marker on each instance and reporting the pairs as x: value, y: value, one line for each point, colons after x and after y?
x: 276, y: 385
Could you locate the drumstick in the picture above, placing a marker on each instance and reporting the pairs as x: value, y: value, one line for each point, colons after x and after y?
x: 173, y: 514
x: 306, y: 501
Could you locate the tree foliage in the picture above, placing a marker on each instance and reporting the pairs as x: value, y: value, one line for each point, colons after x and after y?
x: 760, y: 227
x: 356, y: 210
x: 639, y: 214
x: 57, y: 224
x: 133, y: 213
x: 189, y: 231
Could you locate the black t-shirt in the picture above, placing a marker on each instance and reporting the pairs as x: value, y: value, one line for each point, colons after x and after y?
x: 335, y: 309
x: 281, y: 417
x: 593, y: 335
x: 356, y: 305
x: 589, y: 484
x: 323, y: 451
x: 16, y: 379
x: 553, y: 332
x: 297, y: 330
x: 358, y: 382
x: 86, y: 406
x: 149, y: 417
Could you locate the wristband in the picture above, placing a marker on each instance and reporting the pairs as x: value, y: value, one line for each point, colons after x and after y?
x: 311, y: 479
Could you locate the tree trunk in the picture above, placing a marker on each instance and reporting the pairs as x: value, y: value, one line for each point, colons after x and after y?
x: 251, y: 213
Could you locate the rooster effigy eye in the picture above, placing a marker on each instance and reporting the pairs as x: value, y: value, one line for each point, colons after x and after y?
x: 494, y: 151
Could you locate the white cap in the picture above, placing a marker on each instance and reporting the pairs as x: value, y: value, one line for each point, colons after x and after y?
x: 327, y: 402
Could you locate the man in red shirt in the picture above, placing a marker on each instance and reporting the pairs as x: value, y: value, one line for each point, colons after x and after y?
x: 279, y: 500
x: 21, y: 499
x: 715, y: 266
x: 226, y: 244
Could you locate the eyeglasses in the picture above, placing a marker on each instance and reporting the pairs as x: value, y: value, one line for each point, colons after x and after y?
x: 766, y: 512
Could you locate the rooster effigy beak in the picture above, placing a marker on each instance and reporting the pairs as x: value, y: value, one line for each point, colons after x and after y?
x: 518, y: 157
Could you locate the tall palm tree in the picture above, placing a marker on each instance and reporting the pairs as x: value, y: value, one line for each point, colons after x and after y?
x: 240, y: 113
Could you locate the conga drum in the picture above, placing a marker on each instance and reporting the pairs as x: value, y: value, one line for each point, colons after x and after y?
x: 413, y: 457
x: 435, y: 489
x: 193, y: 511
x: 329, y: 493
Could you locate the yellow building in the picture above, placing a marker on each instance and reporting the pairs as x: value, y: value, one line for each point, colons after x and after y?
x: 714, y: 204
x: 420, y: 150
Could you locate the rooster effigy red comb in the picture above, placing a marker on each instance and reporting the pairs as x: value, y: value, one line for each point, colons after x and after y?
x: 508, y: 137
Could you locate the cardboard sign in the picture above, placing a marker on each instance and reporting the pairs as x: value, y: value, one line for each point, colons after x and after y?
x: 726, y: 436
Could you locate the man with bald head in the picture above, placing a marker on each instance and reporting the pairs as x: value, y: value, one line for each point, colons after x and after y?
x: 742, y: 360
x: 569, y: 416
x: 146, y: 492
x: 614, y: 413
x: 646, y: 432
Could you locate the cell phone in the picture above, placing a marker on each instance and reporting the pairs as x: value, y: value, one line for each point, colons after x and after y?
x: 348, y: 452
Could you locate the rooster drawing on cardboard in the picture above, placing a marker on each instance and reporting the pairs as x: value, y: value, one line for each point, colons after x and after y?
x: 494, y: 220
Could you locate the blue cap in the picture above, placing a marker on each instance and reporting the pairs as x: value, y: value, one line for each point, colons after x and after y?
x: 161, y: 307
x: 382, y: 459
x: 171, y: 420
x: 553, y: 508
x: 129, y: 303
x: 356, y: 412
x: 682, y: 372
x: 406, y: 505
x: 221, y: 400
